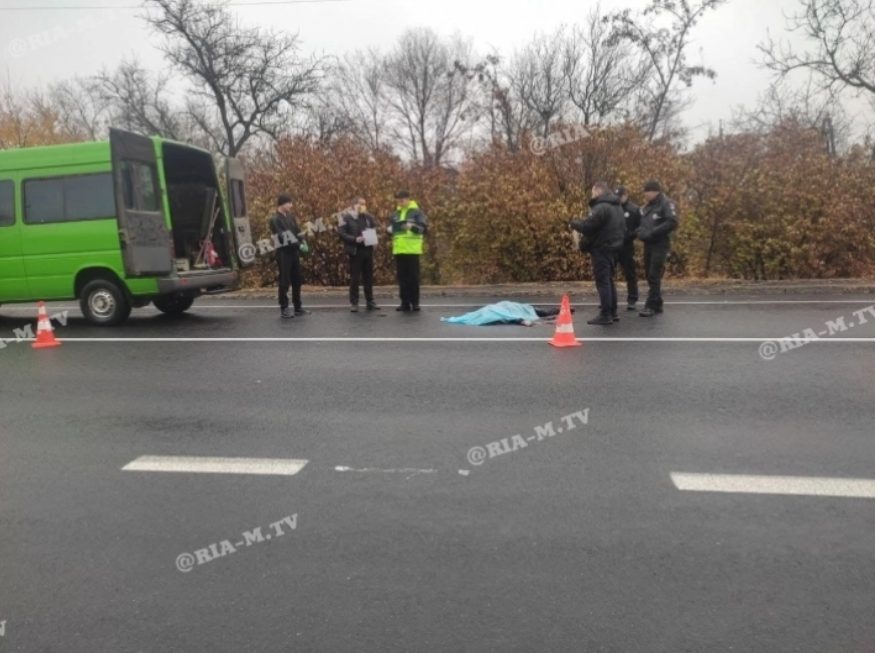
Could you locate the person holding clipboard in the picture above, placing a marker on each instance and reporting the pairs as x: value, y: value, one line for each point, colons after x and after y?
x: 358, y: 231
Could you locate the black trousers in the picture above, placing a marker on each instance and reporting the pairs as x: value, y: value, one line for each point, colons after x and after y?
x: 603, y: 273
x: 362, y: 267
x: 627, y: 260
x: 289, y: 264
x: 655, y: 265
x: 407, y: 267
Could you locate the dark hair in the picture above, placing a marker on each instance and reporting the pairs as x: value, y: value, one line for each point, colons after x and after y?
x: 602, y: 187
x: 402, y: 195
x: 284, y: 199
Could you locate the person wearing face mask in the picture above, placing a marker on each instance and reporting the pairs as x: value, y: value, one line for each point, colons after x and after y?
x: 358, y: 233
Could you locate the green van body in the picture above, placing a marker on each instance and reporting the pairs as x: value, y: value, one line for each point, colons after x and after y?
x: 65, y: 231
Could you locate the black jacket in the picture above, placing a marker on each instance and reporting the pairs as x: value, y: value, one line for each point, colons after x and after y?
x: 603, y: 229
x: 352, y: 227
x: 632, y: 218
x: 659, y: 219
x: 281, y: 224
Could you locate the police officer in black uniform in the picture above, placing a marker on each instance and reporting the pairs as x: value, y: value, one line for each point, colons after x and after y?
x: 603, y: 235
x: 659, y: 220
x: 627, y: 254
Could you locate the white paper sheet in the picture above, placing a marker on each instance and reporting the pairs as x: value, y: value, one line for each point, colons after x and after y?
x: 370, y: 237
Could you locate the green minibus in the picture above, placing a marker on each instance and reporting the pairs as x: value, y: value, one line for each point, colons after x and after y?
x: 119, y: 224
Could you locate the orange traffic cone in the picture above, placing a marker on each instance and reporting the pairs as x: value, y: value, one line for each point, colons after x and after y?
x: 564, y: 336
x: 45, y: 335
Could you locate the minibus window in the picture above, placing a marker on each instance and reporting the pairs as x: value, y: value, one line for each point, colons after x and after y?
x: 238, y: 199
x: 7, y: 204
x: 44, y: 200
x: 89, y: 196
x: 145, y: 175
x: 139, y: 187
x: 128, y: 185
x: 64, y: 199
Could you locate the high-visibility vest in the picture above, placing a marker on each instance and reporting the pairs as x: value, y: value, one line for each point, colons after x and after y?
x: 407, y: 242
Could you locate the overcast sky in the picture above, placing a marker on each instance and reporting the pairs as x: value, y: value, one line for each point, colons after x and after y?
x: 42, y: 46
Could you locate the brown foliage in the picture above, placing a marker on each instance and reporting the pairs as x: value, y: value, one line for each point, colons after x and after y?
x: 771, y: 205
x: 777, y: 206
x: 754, y: 206
x: 323, y: 178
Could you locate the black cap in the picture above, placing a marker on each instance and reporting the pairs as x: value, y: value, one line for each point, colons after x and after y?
x: 652, y: 185
x: 402, y: 195
x: 283, y: 199
x: 621, y: 190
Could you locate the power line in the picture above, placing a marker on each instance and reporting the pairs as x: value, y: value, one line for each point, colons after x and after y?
x: 256, y: 3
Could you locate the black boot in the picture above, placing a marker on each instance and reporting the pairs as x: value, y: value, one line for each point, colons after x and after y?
x: 601, y: 319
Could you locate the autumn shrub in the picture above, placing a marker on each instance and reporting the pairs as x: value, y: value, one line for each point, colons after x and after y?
x: 777, y: 206
x: 753, y: 205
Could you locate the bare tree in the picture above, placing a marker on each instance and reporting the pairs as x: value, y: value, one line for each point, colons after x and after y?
x: 840, y: 35
x: 246, y: 81
x: 323, y: 119
x: 135, y: 99
x: 80, y: 112
x: 666, y: 51
x: 508, y: 118
x: 358, y: 93
x: 430, y: 92
x: 540, y: 79
x: 806, y: 106
x: 17, y: 123
x: 601, y: 72
x: 30, y: 118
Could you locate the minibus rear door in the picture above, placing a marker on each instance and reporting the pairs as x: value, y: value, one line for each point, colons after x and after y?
x: 236, y: 179
x: 145, y: 239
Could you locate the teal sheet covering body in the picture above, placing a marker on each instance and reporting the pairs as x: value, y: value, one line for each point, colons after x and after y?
x: 500, y: 313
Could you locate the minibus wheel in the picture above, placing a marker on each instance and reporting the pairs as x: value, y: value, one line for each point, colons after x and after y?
x: 175, y: 304
x: 103, y: 303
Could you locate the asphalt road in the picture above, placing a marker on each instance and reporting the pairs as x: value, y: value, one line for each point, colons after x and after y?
x: 578, y: 542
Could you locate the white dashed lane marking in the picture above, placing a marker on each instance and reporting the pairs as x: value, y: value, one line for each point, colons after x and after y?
x: 209, y: 465
x: 815, y: 486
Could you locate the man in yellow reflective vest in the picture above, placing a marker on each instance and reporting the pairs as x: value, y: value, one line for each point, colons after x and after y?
x: 408, y: 227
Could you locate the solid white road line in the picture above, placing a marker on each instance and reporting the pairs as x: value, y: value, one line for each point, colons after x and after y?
x: 815, y: 486
x: 742, y: 302
x: 207, y: 465
x: 594, y: 303
x: 460, y: 339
